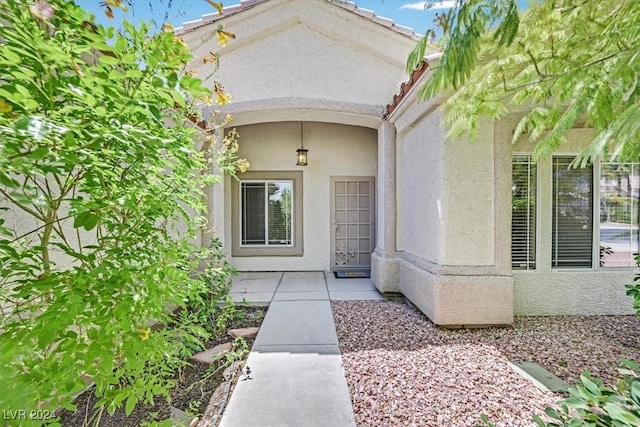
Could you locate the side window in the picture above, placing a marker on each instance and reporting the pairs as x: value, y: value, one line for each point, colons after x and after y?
x: 619, y: 192
x: 523, y: 213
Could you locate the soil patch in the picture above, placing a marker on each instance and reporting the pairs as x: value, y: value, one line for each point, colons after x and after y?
x: 194, y: 386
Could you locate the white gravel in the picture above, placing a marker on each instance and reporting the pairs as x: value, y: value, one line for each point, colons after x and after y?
x: 402, y: 370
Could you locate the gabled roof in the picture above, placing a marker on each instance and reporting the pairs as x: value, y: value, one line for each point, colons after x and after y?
x: 247, y: 4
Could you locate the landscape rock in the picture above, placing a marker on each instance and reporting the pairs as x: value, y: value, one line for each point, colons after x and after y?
x: 244, y: 332
x: 211, y: 355
x: 180, y: 418
x: 237, y: 367
x: 214, y: 408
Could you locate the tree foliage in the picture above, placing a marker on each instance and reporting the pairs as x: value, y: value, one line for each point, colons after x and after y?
x: 567, y: 62
x: 100, y: 199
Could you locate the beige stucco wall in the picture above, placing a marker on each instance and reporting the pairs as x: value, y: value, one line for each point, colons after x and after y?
x: 448, y: 215
x: 333, y: 150
x: 286, y: 52
x: 420, y: 198
x: 547, y: 291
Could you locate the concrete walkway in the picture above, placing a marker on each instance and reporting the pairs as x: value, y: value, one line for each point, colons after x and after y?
x: 296, y: 376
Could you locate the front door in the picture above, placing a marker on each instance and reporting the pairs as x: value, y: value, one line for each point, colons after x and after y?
x: 352, y: 221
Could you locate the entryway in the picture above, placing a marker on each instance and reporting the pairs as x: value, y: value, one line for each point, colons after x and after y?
x: 352, y: 222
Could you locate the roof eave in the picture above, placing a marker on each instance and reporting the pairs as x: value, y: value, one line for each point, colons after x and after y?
x: 409, y: 89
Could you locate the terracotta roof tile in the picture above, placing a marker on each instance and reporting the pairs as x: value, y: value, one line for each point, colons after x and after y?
x: 405, y: 88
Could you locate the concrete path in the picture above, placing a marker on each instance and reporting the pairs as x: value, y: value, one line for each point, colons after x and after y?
x: 296, y: 376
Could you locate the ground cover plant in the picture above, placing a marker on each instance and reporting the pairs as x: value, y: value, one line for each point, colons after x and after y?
x: 102, y: 172
x: 193, y: 385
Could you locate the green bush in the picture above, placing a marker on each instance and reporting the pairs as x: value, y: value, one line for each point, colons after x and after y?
x: 593, y: 404
x: 101, y: 197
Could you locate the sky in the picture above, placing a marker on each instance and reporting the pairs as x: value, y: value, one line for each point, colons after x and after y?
x: 410, y: 13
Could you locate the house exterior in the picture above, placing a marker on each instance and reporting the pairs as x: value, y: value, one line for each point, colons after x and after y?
x: 472, y: 233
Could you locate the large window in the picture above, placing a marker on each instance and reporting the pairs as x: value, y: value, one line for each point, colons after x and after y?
x: 595, y: 214
x: 577, y: 199
x: 523, y: 214
x: 267, y: 213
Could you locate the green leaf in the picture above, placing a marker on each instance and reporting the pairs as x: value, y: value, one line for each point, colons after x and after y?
x: 134, y: 74
x: 618, y: 413
x: 8, y: 180
x: 131, y: 404
x: 108, y: 60
x: 10, y: 56
x: 92, y: 333
x: 551, y: 412
x: 635, y: 391
x: 39, y: 153
x: 590, y: 385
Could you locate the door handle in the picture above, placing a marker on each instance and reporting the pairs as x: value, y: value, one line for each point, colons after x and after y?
x: 335, y: 224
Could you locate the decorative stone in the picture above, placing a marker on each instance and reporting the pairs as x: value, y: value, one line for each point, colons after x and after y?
x: 542, y: 378
x: 237, y: 366
x: 244, y: 332
x: 211, y: 355
x: 217, y: 402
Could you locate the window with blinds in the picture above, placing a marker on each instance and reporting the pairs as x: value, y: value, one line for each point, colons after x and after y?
x: 572, y: 215
x: 619, y: 194
x: 523, y: 213
x: 266, y: 213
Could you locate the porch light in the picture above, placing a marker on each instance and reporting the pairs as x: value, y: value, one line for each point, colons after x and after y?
x: 302, y: 153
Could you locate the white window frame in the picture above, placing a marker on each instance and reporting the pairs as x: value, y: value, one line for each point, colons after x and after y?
x: 297, y: 247
x: 596, y: 218
x: 241, y: 221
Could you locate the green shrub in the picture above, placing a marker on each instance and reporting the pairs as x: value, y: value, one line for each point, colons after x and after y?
x: 593, y: 404
x: 101, y: 197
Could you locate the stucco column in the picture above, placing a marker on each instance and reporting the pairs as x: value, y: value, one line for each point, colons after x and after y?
x: 502, y: 204
x: 384, y: 264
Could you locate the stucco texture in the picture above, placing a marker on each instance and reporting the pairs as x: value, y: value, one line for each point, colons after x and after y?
x: 304, y: 49
x: 446, y: 222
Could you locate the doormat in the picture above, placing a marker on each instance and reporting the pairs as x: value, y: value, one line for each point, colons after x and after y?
x: 352, y: 274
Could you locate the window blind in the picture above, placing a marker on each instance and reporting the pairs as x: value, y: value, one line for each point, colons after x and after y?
x: 523, y: 213
x: 572, y: 215
x: 253, y: 213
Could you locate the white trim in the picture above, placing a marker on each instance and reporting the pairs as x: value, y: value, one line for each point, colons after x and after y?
x: 595, y: 208
x: 266, y: 216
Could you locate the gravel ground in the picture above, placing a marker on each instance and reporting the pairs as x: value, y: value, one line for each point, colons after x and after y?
x: 402, y: 370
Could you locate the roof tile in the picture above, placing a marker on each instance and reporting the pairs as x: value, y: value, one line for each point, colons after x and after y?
x: 405, y: 88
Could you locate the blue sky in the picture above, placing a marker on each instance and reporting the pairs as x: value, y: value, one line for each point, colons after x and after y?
x: 409, y: 13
